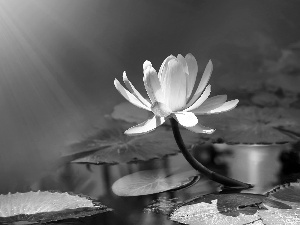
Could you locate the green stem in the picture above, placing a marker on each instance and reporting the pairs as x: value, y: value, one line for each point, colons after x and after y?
x: 226, y: 181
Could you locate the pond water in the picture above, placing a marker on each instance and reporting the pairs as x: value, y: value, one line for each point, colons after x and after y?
x: 258, y: 165
x: 58, y: 62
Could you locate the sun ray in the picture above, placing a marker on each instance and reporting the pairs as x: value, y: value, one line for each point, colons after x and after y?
x: 42, y: 108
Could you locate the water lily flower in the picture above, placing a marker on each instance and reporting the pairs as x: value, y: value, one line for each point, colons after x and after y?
x: 170, y: 92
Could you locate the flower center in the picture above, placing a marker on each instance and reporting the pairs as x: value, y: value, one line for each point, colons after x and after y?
x: 160, y: 109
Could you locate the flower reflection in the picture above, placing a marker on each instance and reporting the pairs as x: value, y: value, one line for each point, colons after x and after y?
x: 170, y: 93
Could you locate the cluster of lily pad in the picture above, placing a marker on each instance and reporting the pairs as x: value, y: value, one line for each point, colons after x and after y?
x: 250, y: 123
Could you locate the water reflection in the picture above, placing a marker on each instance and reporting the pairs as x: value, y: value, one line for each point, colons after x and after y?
x: 258, y: 165
x: 255, y: 164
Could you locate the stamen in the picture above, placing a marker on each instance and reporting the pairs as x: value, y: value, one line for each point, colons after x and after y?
x: 160, y: 109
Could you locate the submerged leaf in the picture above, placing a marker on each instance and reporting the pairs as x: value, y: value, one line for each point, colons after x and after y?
x: 46, y: 206
x: 252, y: 125
x: 153, y: 181
x: 121, y: 148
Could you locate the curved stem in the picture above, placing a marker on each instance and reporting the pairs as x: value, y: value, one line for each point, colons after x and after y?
x: 226, y: 181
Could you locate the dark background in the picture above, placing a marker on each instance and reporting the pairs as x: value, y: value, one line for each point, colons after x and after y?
x: 58, y: 60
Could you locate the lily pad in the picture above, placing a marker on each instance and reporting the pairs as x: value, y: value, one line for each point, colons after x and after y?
x: 244, y: 124
x: 227, y: 209
x: 223, y: 209
x: 285, y: 82
x: 265, y: 98
x: 130, y: 113
x: 289, y: 192
x: 274, y: 216
x: 162, y: 205
x: 153, y: 181
x: 31, y: 207
x: 253, y: 125
x: 279, y: 206
x: 121, y: 148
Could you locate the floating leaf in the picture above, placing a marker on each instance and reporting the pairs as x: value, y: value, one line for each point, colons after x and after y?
x: 289, y: 192
x: 279, y: 206
x: 223, y: 209
x: 162, y: 205
x: 121, y: 148
x: 257, y: 222
x: 265, y: 99
x: 46, y: 206
x: 289, y: 122
x: 285, y: 82
x: 130, y: 113
x: 253, y: 125
x: 274, y: 99
x: 274, y: 216
x: 153, y: 181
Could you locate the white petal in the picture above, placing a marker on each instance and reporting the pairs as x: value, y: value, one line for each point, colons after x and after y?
x: 173, y: 85
x: 133, y: 91
x: 225, y: 107
x: 198, y: 128
x: 192, y: 71
x: 210, y: 104
x: 146, y: 126
x: 186, y: 119
x: 203, y: 82
x: 152, y: 84
x: 146, y: 64
x: 163, y: 67
x: 200, y: 100
x: 181, y: 59
x: 130, y: 97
